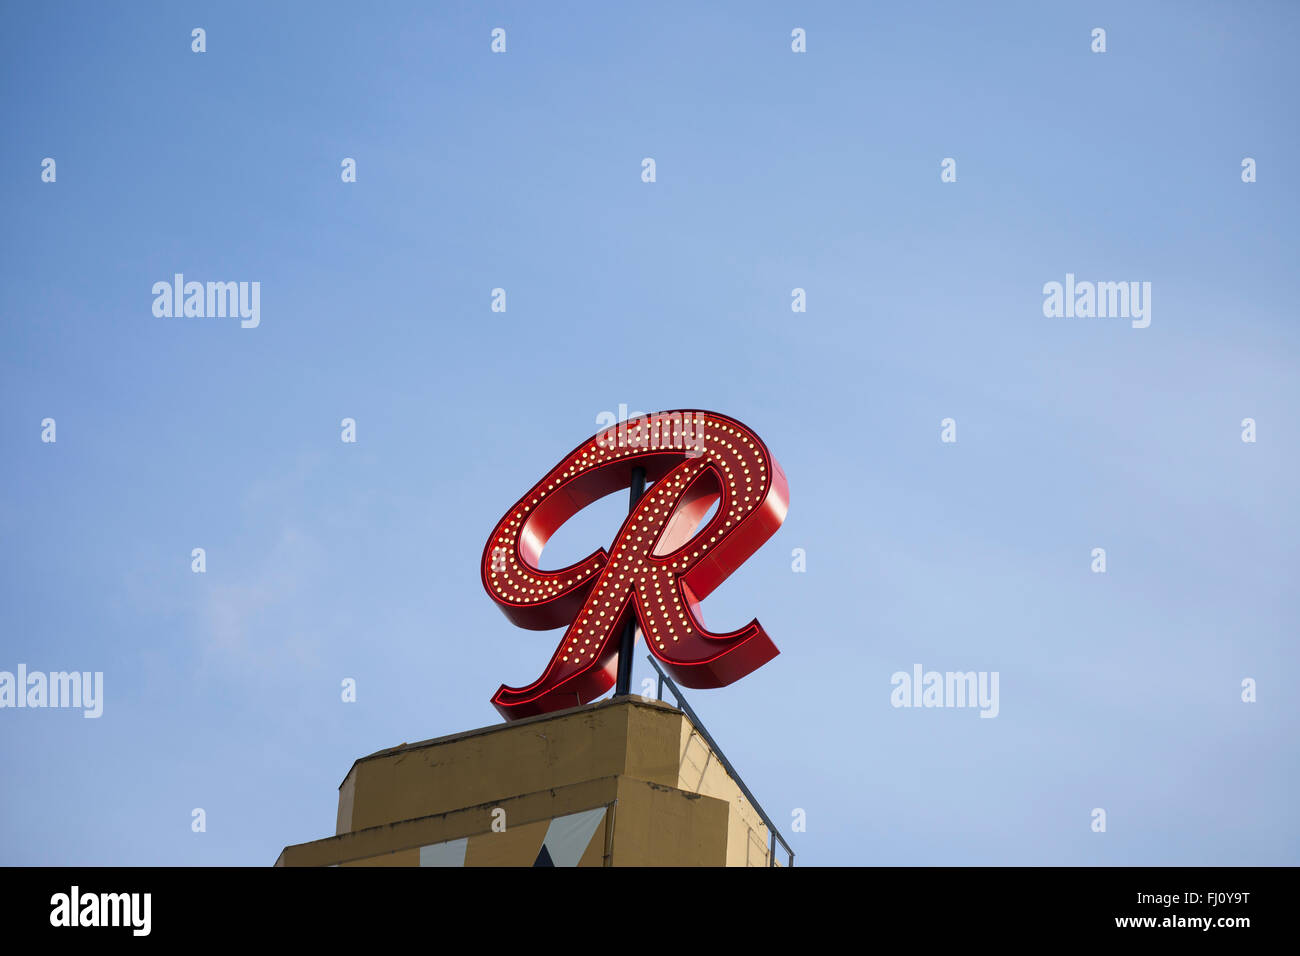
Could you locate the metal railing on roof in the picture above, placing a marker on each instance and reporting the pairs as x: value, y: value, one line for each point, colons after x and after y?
x: 684, y: 707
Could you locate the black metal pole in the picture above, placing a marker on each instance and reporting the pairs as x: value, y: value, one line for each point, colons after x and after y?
x: 624, y: 685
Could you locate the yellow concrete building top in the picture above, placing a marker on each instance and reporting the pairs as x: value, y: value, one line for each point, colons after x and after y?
x: 622, y: 782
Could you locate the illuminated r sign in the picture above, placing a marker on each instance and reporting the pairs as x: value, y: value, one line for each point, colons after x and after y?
x: 658, y: 567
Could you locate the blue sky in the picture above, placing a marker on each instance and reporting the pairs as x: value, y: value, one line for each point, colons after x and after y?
x: 775, y: 170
